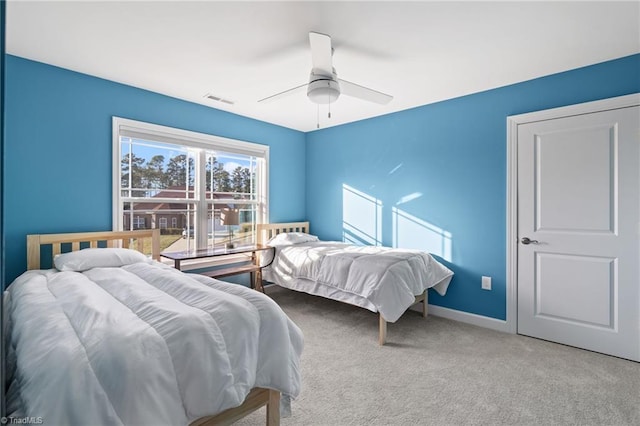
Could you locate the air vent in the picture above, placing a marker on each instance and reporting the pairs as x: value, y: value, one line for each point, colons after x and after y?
x: 218, y: 99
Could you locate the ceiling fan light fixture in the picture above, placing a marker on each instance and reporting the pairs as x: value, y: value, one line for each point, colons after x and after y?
x: 324, y: 85
x: 323, y: 91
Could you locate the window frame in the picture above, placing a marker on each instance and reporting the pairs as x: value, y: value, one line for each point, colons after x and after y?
x: 186, y: 138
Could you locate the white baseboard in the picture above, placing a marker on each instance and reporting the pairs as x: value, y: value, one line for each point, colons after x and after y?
x: 466, y: 317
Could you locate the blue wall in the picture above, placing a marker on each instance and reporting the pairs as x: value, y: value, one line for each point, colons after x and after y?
x: 58, y: 150
x: 2, y: 61
x: 2, y: 262
x: 432, y: 177
x: 439, y: 172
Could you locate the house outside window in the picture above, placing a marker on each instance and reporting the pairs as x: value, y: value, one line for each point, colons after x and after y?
x: 164, y: 175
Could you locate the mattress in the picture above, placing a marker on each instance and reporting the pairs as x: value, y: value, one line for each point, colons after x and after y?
x: 142, y: 344
x: 380, y: 279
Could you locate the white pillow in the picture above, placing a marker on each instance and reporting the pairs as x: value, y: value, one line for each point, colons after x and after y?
x: 88, y: 258
x: 290, y: 238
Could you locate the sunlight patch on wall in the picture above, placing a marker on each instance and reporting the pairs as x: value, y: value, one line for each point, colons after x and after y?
x: 411, y: 232
x: 395, y: 169
x: 361, y: 217
x: 409, y: 197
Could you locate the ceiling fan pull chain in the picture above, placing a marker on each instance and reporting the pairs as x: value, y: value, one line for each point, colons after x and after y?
x: 318, y: 116
x: 329, y: 115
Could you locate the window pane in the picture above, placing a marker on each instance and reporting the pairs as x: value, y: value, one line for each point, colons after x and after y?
x: 230, y: 176
x: 151, y: 215
x: 240, y: 234
x: 153, y: 169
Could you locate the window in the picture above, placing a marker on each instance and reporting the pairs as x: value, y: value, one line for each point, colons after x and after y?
x: 138, y: 222
x: 164, y: 175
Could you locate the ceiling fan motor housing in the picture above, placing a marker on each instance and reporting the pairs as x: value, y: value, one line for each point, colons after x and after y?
x: 323, y: 89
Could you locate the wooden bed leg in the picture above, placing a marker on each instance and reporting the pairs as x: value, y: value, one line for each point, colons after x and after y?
x: 273, y: 408
x: 425, y: 304
x: 258, y: 283
x: 257, y: 398
x: 382, y: 335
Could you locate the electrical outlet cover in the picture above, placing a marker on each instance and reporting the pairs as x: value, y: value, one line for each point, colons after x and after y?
x: 486, y: 283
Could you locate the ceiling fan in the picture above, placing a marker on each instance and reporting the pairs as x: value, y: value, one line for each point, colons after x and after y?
x: 324, y: 86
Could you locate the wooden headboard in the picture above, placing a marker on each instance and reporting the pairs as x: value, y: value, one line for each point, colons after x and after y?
x: 91, y: 239
x: 269, y: 230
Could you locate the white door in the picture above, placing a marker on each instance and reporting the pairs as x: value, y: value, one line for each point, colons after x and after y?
x: 578, y: 229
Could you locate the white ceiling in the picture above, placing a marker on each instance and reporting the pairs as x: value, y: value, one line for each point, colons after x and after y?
x: 419, y: 52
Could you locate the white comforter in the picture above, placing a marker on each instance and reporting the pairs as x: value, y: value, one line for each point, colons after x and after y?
x: 143, y: 344
x: 380, y: 279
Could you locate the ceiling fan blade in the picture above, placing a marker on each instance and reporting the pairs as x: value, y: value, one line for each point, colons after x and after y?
x: 321, y: 53
x: 284, y: 94
x: 364, y: 93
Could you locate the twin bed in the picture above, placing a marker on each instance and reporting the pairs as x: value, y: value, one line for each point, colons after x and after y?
x: 381, y: 279
x: 111, y: 336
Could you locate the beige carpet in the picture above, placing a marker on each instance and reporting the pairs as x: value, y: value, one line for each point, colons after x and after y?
x: 435, y: 371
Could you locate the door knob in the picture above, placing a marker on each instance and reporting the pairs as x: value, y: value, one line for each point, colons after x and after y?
x: 526, y: 240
